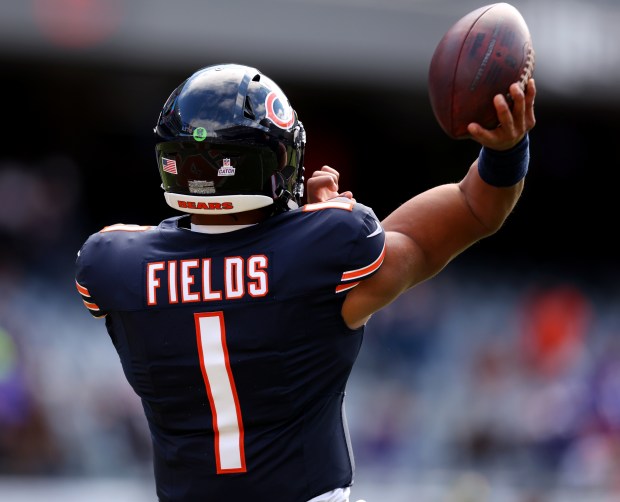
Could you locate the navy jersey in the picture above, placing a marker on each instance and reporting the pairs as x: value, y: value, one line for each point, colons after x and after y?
x: 236, y: 345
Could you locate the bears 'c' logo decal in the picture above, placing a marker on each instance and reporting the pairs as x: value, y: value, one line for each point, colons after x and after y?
x: 279, y: 111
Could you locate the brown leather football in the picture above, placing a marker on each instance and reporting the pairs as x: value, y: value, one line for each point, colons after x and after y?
x: 480, y: 56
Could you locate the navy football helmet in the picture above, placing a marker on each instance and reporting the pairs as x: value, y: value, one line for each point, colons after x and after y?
x: 228, y: 140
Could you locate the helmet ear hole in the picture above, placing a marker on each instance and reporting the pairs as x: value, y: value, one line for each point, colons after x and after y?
x: 248, y: 113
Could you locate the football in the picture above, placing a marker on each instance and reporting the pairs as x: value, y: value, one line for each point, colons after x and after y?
x: 480, y: 56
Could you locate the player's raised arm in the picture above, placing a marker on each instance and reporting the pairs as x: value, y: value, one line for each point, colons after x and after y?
x: 425, y: 233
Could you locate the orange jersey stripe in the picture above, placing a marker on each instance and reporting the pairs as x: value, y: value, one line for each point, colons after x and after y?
x: 364, y: 271
x: 81, y: 289
x: 346, y: 287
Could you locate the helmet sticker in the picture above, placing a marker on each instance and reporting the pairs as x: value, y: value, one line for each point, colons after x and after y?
x: 169, y: 165
x: 199, y: 134
x: 201, y: 187
x: 279, y: 110
x: 226, y: 169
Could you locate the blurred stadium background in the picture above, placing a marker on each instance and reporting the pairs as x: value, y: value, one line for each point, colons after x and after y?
x: 497, y: 381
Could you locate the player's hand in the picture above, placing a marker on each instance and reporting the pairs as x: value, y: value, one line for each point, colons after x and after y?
x: 323, y: 186
x: 513, y: 125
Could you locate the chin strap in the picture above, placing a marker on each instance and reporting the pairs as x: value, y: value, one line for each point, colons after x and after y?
x: 284, y: 201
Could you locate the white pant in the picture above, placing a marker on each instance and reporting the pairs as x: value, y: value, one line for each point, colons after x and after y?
x: 337, y: 495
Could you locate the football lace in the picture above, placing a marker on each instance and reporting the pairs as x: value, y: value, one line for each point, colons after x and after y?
x: 528, y: 69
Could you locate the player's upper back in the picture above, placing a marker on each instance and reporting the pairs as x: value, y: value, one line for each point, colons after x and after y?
x: 326, y: 246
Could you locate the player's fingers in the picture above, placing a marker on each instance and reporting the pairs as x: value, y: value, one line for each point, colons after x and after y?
x: 483, y: 136
x: 324, y: 179
x: 530, y: 97
x: 504, y: 114
x: 518, y: 109
x: 322, y: 174
x: 322, y: 184
x: 327, y: 170
x: 476, y: 131
x: 530, y: 91
x: 486, y: 137
x: 511, y: 121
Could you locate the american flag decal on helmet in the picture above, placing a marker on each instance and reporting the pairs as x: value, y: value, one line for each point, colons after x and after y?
x: 169, y: 165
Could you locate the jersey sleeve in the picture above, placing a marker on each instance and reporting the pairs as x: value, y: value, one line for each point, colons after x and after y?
x: 355, y: 236
x: 82, y: 280
x: 368, y: 253
x: 106, y: 273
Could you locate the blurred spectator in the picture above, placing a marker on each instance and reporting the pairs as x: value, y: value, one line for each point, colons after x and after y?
x: 593, y: 460
x: 556, y: 320
x: 26, y: 443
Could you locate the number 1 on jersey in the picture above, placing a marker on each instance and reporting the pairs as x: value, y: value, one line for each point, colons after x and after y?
x: 218, y: 378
